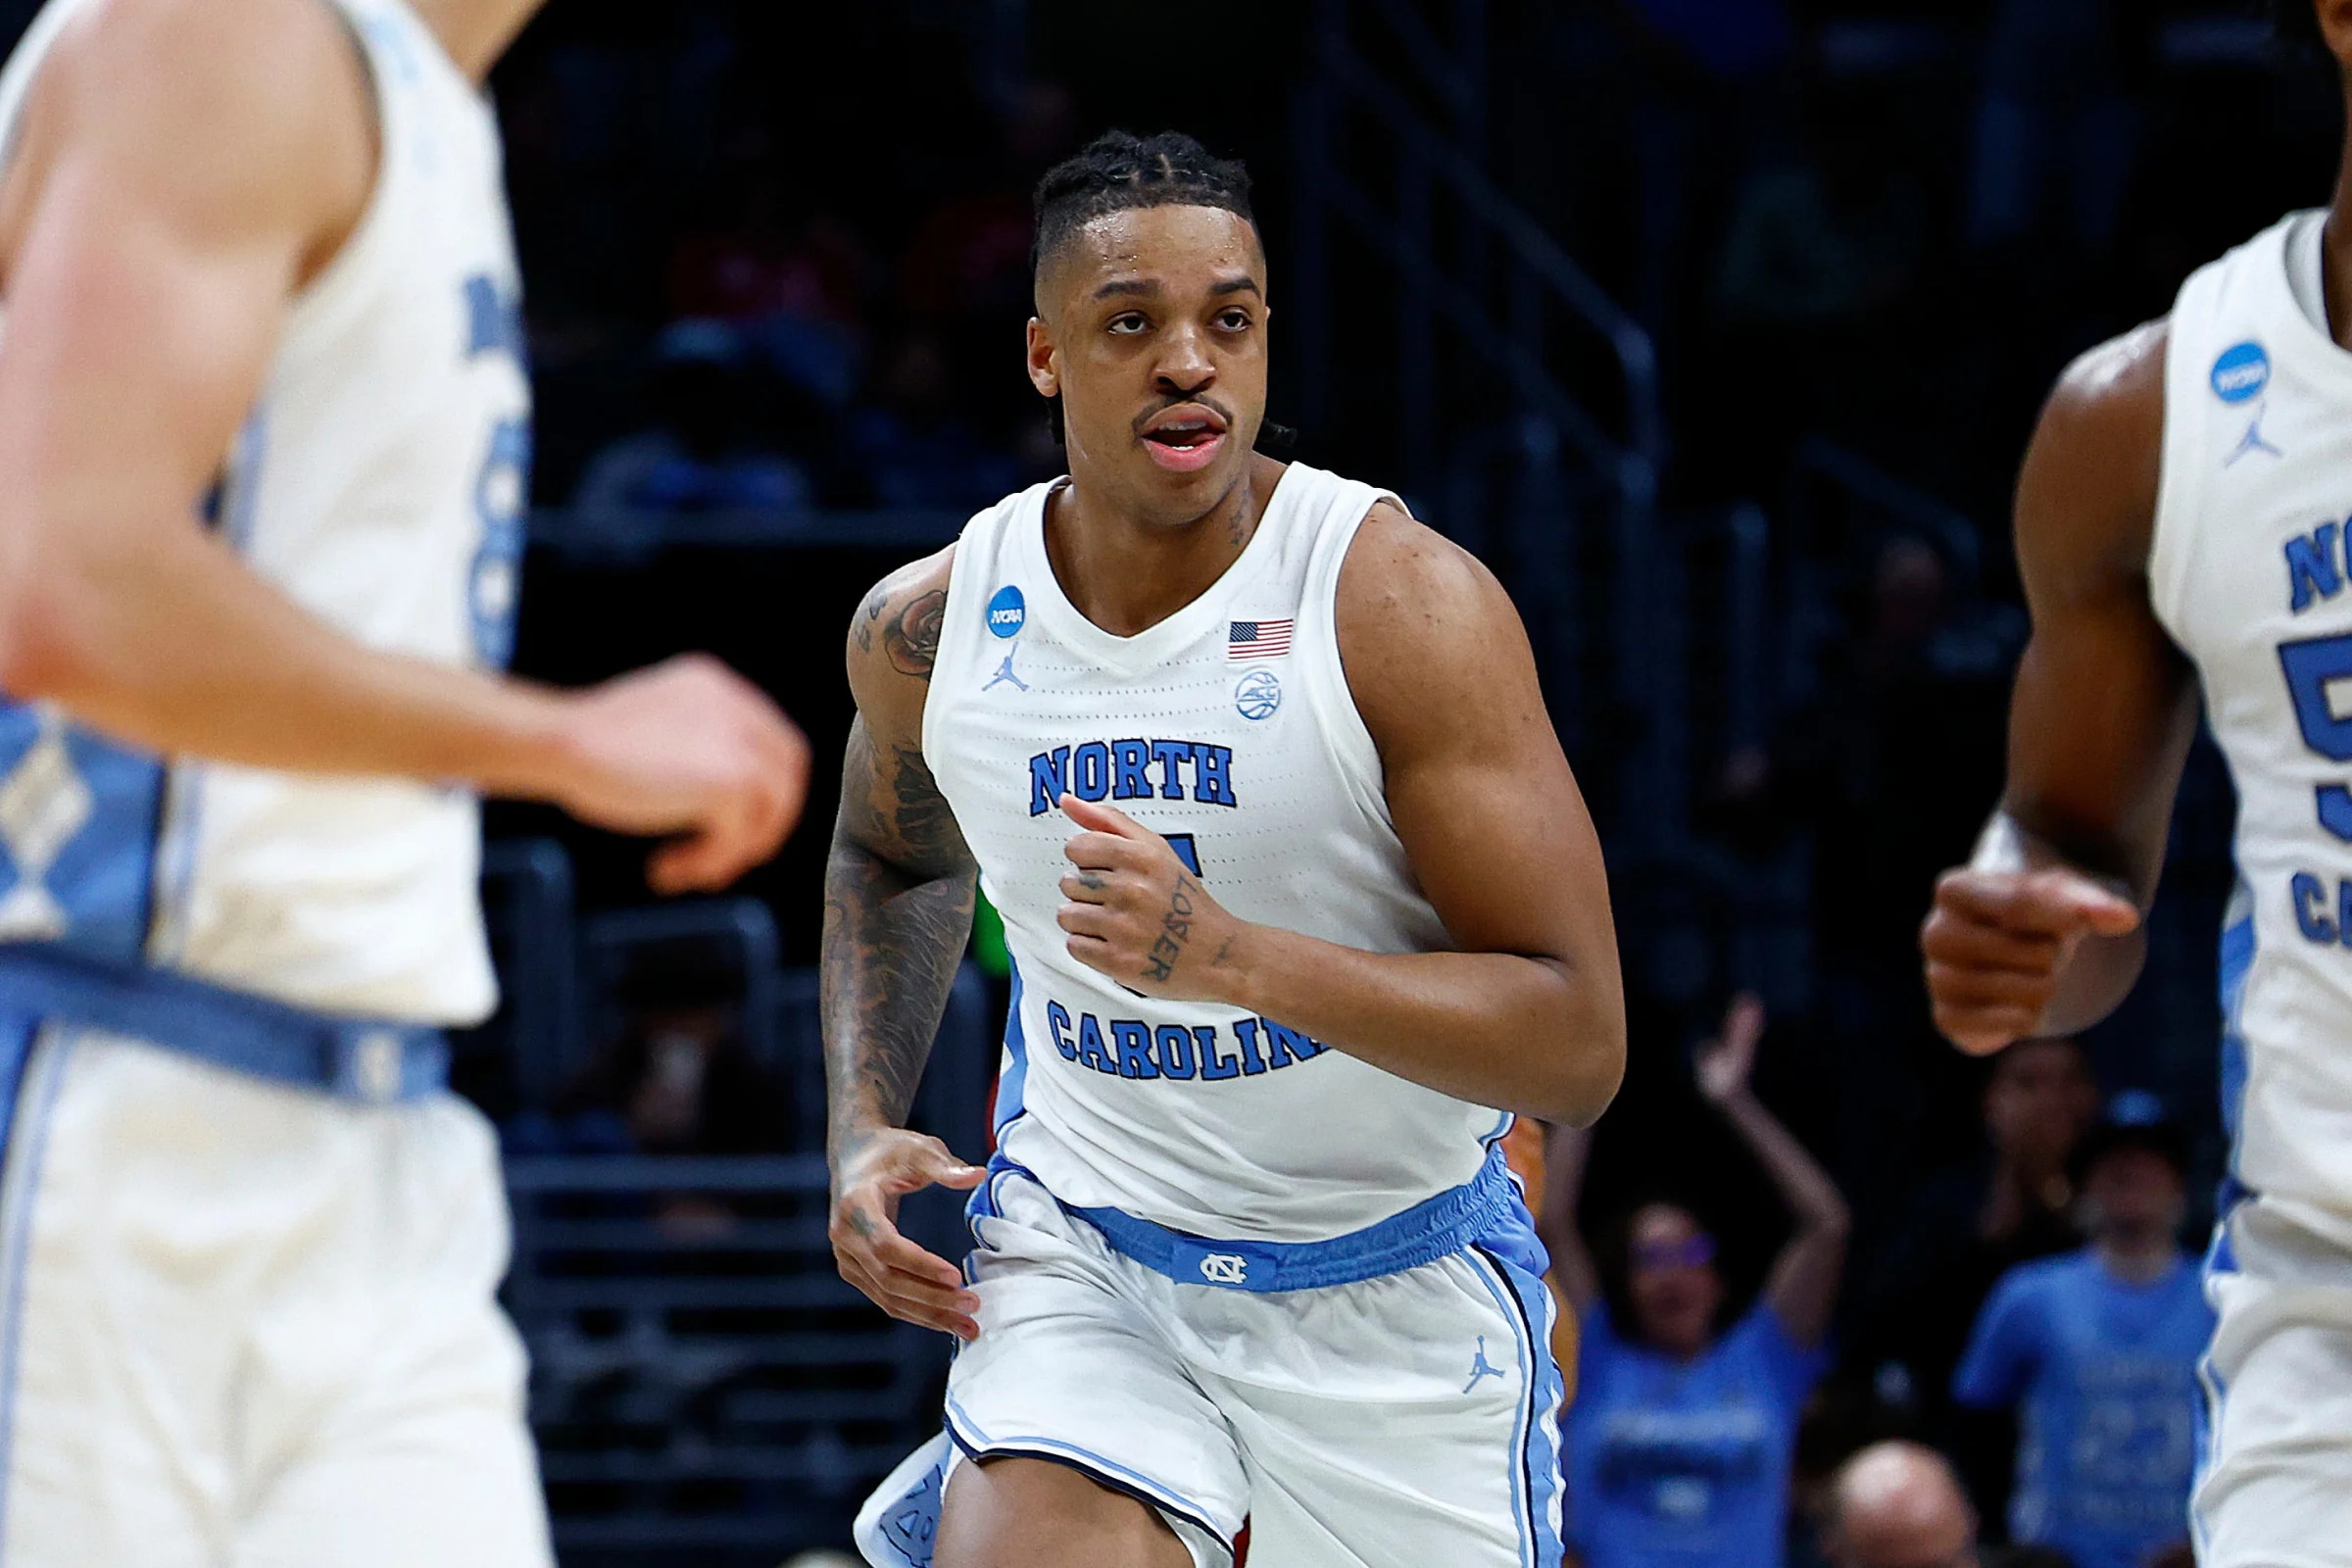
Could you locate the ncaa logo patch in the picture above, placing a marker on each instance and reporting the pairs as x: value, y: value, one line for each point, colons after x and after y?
x: 2242, y: 373
x: 1008, y: 613
x: 1259, y: 696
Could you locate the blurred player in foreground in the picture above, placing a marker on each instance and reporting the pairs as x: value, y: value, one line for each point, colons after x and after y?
x: 2180, y: 525
x: 1299, y: 890
x: 265, y: 426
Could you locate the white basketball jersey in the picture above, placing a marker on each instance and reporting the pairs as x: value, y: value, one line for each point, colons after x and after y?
x: 2250, y: 575
x: 1229, y: 729
x: 380, y: 482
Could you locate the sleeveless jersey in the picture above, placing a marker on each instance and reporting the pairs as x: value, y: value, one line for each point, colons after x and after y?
x: 1229, y: 729
x: 380, y: 484
x: 2249, y: 574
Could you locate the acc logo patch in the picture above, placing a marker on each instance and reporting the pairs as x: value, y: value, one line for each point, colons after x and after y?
x: 1259, y: 696
x: 2242, y: 373
x: 1008, y: 613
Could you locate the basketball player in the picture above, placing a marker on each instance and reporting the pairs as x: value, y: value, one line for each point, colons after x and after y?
x: 2181, y: 527
x: 1304, y: 903
x: 257, y: 250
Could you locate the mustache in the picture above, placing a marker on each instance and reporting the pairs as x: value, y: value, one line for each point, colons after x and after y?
x: 1203, y: 402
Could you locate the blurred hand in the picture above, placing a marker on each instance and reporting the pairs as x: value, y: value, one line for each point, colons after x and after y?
x: 1996, y: 944
x: 1726, y: 1063
x: 895, y: 1275
x: 1136, y: 914
x: 692, y: 750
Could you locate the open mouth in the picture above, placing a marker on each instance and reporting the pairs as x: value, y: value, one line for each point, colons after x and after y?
x: 1186, y: 438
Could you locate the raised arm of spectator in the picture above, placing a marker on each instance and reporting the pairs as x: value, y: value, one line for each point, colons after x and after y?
x: 1803, y: 1288
x: 1563, y: 1187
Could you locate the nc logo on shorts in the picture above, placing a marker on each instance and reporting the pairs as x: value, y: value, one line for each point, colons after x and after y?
x: 2242, y: 373
x: 1259, y: 695
x: 1225, y: 1269
x: 1008, y: 613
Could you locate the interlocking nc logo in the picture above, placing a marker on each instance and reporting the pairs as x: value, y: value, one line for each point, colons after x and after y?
x: 1225, y: 1269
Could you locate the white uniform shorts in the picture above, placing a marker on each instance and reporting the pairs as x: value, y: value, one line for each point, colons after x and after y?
x: 1398, y: 1422
x: 244, y: 1325
x: 2275, y: 1477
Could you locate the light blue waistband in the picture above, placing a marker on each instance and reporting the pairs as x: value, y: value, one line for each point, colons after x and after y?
x: 367, y: 1059
x: 1437, y: 1228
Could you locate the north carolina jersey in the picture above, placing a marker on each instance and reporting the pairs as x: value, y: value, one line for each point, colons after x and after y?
x: 379, y: 483
x: 2249, y: 574
x: 1229, y: 729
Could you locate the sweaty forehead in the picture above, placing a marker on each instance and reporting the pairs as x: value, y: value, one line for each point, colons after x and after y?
x: 1183, y: 249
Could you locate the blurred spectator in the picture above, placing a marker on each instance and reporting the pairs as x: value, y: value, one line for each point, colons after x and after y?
x: 1966, y: 1227
x: 915, y: 446
x: 1680, y: 1438
x: 705, y: 452
x: 1898, y: 1505
x: 760, y: 259
x: 2100, y: 1346
x: 678, y: 1078
x: 2055, y: 122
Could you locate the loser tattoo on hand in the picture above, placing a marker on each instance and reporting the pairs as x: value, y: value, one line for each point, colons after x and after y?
x: 912, y: 635
x: 1175, y: 930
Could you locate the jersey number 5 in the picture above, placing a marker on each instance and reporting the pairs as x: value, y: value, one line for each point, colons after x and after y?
x: 2312, y: 666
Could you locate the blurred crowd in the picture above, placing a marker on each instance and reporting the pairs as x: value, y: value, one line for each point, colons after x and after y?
x: 1958, y: 1308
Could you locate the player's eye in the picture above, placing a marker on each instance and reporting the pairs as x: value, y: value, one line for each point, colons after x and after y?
x: 1129, y: 325
x: 1235, y: 319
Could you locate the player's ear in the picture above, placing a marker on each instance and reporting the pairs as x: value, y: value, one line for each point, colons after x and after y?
x: 1045, y: 372
x: 2335, y: 26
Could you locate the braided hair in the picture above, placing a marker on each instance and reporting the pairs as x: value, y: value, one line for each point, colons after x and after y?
x: 1117, y: 172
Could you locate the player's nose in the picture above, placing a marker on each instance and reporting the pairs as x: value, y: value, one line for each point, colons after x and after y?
x: 1185, y: 364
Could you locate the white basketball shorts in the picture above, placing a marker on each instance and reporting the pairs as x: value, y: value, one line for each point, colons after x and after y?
x: 1396, y: 1422
x: 244, y: 1325
x: 2275, y: 1477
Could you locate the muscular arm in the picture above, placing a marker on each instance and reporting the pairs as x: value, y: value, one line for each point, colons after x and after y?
x: 182, y: 169
x: 898, y: 892
x: 1528, y: 1015
x: 2025, y: 941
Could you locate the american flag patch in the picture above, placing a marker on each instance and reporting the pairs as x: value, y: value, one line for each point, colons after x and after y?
x: 1257, y: 639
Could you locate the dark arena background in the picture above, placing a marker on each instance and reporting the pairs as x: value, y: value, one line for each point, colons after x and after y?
x: 1715, y: 326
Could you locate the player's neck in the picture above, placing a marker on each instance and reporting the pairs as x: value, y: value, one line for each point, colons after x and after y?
x: 476, y: 32
x: 2335, y: 257
x: 2137, y: 1259
x: 1127, y: 575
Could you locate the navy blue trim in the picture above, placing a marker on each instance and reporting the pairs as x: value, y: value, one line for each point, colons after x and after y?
x: 1016, y: 1448
x: 368, y: 1059
x: 1438, y: 1227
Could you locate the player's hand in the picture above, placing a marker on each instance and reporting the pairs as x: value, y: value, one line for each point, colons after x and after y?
x: 895, y: 1275
x: 1996, y: 944
x: 1137, y: 915
x: 1726, y: 1063
x: 691, y: 750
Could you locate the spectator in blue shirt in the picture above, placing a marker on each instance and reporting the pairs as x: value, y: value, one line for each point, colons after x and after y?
x: 1679, y: 1439
x: 2098, y: 1348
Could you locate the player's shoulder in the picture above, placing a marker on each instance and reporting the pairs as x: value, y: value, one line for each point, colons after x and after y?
x: 2120, y: 381
x: 894, y: 637
x: 1406, y: 591
x: 231, y: 102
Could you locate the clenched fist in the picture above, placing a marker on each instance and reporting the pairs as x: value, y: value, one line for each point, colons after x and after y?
x: 1137, y: 915
x: 1997, y: 943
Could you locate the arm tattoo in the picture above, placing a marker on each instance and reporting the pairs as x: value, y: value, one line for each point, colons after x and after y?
x: 898, y: 892
x: 867, y: 615
x: 912, y: 635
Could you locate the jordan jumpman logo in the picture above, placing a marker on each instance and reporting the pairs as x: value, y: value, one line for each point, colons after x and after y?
x: 1482, y: 1367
